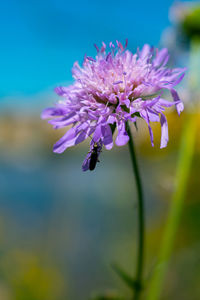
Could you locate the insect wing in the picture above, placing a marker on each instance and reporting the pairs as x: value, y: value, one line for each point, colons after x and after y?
x: 86, y: 163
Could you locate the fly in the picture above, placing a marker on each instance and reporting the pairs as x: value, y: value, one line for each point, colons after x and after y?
x: 94, y: 156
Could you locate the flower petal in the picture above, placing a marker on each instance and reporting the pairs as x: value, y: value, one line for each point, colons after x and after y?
x: 164, y: 131
x: 162, y: 56
x: 122, y: 137
x: 153, y: 116
x: 52, y: 112
x: 71, y: 138
x: 107, y: 137
x: 84, y: 134
x: 97, y: 134
x: 165, y: 103
x: 62, y: 90
x: 66, y: 141
x: 111, y: 119
x: 180, y: 105
x: 65, y: 121
x: 145, y: 116
x: 145, y: 51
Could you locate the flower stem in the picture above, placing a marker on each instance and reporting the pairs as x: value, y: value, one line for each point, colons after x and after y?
x: 140, y: 254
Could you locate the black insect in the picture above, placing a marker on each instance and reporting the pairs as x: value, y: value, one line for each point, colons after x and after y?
x: 92, y: 156
x: 95, y: 151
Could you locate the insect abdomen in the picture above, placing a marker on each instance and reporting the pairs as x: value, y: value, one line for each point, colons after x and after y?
x: 93, y: 161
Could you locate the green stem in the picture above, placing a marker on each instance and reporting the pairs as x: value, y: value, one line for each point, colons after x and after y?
x: 183, y: 168
x: 140, y: 254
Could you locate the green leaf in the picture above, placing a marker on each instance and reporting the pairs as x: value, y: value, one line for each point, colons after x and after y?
x: 108, y: 296
x: 128, y: 280
x: 125, y: 108
x: 104, y: 297
x: 136, y: 114
x: 135, y: 125
x: 112, y: 127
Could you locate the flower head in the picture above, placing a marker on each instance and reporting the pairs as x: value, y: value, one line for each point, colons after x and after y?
x: 115, y: 87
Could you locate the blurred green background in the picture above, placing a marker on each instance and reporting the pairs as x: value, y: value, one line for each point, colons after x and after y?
x: 60, y: 228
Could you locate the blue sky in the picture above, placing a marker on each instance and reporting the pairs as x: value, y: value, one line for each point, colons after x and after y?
x: 40, y: 40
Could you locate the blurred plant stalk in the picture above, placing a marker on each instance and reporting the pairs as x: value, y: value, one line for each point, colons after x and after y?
x: 182, y: 176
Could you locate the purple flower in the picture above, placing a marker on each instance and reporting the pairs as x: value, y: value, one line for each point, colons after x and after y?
x: 113, y: 88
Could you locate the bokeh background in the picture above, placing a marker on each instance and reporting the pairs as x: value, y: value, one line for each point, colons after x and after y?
x: 60, y: 228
